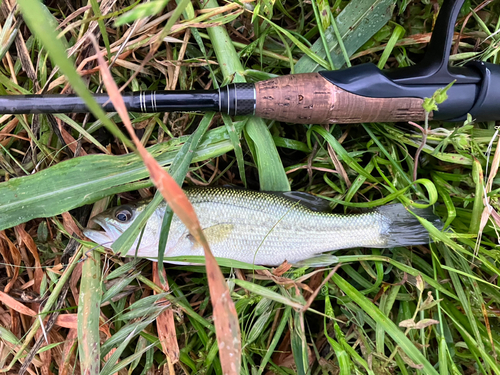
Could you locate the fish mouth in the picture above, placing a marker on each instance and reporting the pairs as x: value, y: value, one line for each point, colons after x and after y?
x: 98, y: 237
x: 104, y: 238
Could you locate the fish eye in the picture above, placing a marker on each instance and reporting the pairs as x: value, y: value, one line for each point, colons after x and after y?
x: 124, y: 214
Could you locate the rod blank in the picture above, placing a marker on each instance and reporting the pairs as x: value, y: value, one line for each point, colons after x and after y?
x: 234, y: 99
x: 142, y: 101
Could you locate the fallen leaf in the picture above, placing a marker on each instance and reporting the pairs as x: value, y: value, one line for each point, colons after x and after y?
x: 420, y: 283
x: 16, y: 305
x: 68, y: 353
x: 15, y: 255
x: 429, y: 302
x: 70, y: 225
x: 425, y: 323
x: 25, y: 238
x: 408, y: 323
x: 165, y: 324
x: 408, y: 361
x: 282, y: 268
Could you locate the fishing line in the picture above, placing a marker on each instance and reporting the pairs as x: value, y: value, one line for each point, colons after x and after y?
x: 270, y: 230
x: 86, y: 256
x: 50, y: 267
x: 21, y: 266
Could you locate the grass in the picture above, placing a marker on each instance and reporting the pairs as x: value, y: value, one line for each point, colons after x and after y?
x: 421, y: 310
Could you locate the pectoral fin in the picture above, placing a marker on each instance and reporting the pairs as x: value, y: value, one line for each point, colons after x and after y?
x: 320, y: 260
x: 214, y: 234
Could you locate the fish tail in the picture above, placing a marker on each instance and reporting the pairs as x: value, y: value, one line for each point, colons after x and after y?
x: 404, y: 228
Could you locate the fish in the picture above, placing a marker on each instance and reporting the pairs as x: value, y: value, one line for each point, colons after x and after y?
x: 263, y: 228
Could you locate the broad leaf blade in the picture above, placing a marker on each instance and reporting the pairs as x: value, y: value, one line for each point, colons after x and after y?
x: 357, y: 23
x: 86, y: 179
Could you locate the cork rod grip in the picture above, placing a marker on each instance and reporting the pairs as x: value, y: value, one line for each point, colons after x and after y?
x: 311, y: 99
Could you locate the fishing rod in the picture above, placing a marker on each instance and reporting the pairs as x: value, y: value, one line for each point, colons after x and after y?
x: 361, y: 93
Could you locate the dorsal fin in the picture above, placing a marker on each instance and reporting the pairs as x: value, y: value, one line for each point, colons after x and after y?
x: 308, y: 200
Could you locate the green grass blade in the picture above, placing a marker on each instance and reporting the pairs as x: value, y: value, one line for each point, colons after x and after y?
x: 343, y: 358
x: 141, y: 11
x: 477, y: 350
x: 342, y: 153
x: 39, y: 21
x: 102, y: 26
x: 399, y: 265
x: 448, y: 202
x: 431, y: 191
x: 299, y: 343
x: 234, y: 136
x: 357, y: 23
x: 388, y: 155
x: 397, y: 34
x: 272, y: 176
x: 82, y: 131
x: 116, y: 367
x: 117, y: 288
x: 129, y: 329
x: 224, y: 262
x: 267, y: 293
x: 276, y: 338
x: 318, y: 60
x: 477, y: 210
x: 390, y: 328
x: 88, y: 315
x: 47, y: 308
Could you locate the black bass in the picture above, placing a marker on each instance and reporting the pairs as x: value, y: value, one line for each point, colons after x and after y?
x: 264, y: 228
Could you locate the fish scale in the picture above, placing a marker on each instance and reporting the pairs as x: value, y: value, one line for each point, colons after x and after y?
x: 266, y: 228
